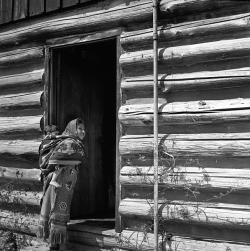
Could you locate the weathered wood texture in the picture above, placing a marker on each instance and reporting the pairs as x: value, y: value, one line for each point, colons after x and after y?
x: 21, y: 56
x: 67, y: 3
x: 78, y: 247
x: 190, y: 54
x: 17, y: 181
x: 21, y: 222
x: 202, y: 112
x: 94, y: 236
x: 166, y: 160
x: 228, y: 127
x: 181, y: 7
x: 201, y: 48
x: 52, y: 5
x: 219, y: 214
x: 21, y: 175
x: 23, y: 8
x: 185, y: 81
x: 36, y: 7
x: 168, y: 8
x: 18, y: 102
x: 189, y: 33
x: 131, y: 240
x: 20, y: 9
x: 187, y: 176
x: 200, y: 145
x: 25, y: 198
x: 78, y: 21
x: 145, y: 241
x: 5, y: 11
x: 26, y: 150
x: 193, y: 231
x: 20, y: 81
x: 206, y: 194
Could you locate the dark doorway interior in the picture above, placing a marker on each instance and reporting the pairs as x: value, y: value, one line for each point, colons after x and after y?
x: 84, y: 85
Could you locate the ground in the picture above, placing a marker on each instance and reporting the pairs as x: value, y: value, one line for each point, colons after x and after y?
x: 10, y: 241
x: 40, y: 247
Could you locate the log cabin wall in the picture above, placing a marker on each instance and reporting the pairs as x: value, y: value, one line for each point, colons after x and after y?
x: 203, y: 117
x: 204, y: 125
x: 23, y: 102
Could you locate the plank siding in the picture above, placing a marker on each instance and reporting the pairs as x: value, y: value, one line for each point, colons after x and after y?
x: 20, y: 9
x: 52, y: 5
x: 5, y: 11
x: 36, y: 7
x: 67, y: 3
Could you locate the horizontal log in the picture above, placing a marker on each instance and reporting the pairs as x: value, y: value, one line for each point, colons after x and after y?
x: 196, y: 137
x: 168, y: 69
x: 24, y: 198
x: 213, y: 161
x: 21, y: 56
x: 145, y: 241
x: 20, y: 175
x: 188, y: 146
x: 190, y: 107
x: 190, y: 32
x: 20, y: 126
x: 21, y: 179
x: 68, y: 40
x: 183, y: 7
x: 20, y: 222
x: 20, y: 101
x: 103, y: 238
x: 194, y: 80
x: 187, y: 176
x: 86, y: 19
x: 219, y: 214
x: 204, y: 194
x: 226, y: 127
x: 190, y: 54
x: 193, y: 112
x: 19, y: 81
x: 25, y: 150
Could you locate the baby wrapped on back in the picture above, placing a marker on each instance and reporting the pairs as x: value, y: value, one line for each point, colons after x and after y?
x: 56, y: 151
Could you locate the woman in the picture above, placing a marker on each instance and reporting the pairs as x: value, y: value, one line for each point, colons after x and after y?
x: 64, y: 152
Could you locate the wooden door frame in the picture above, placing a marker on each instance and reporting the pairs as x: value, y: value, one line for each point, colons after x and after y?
x: 49, y: 113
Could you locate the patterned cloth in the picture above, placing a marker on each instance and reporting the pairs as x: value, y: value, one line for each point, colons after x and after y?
x: 55, y: 210
x: 69, y: 151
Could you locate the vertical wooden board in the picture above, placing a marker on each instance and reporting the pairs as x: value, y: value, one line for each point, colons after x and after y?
x: 20, y: 9
x: 36, y: 7
x: 118, y: 219
x: 67, y: 3
x: 47, y: 86
x: 5, y: 11
x: 52, y: 5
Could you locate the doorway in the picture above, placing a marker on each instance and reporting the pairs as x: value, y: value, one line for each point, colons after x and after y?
x: 84, y: 85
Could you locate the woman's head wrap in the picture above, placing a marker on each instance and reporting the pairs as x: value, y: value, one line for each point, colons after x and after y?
x: 70, y: 129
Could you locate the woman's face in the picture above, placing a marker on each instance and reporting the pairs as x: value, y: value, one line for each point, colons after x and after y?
x: 80, y: 130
